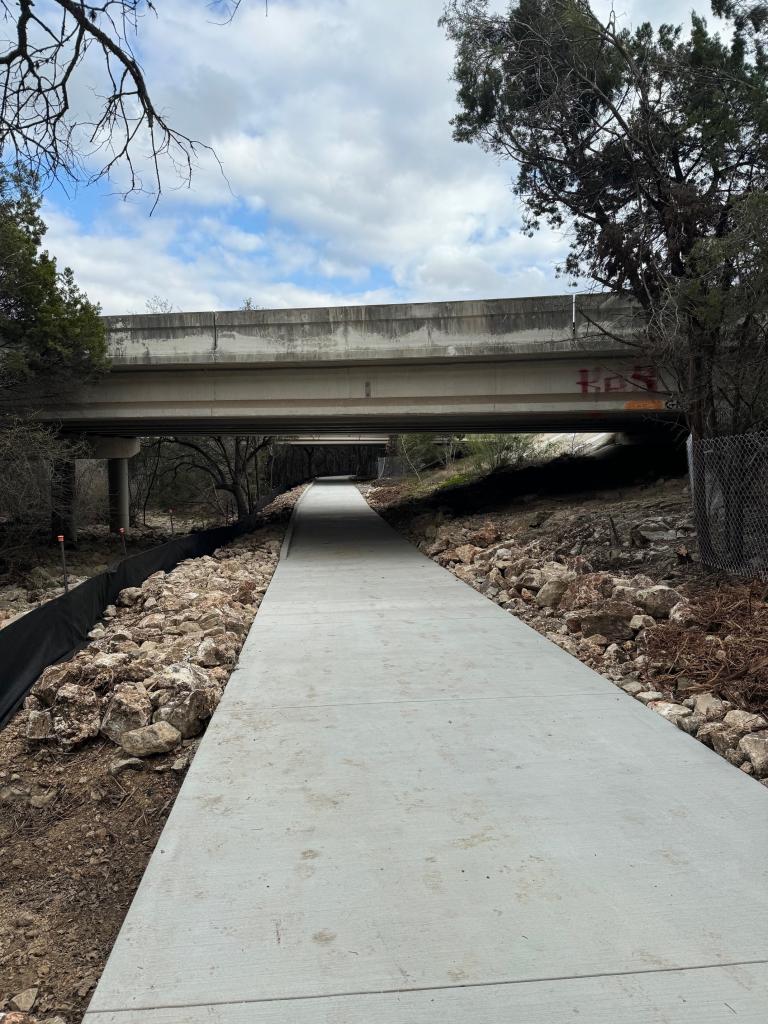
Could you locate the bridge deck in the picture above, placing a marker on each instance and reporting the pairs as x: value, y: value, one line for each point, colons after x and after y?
x: 412, y: 808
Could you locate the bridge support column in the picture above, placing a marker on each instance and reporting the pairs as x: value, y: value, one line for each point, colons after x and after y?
x: 117, y: 451
x: 119, y: 494
x: 63, y: 502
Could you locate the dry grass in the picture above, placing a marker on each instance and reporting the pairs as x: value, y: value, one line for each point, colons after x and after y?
x: 725, y: 651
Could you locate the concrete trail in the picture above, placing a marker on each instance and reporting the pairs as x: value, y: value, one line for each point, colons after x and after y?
x: 412, y: 809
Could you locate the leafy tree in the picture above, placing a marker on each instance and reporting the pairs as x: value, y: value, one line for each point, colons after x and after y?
x: 418, y: 451
x: 51, y: 339
x: 491, y: 452
x: 651, y: 147
x: 52, y: 336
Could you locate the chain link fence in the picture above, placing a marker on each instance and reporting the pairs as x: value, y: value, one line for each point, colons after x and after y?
x: 729, y: 488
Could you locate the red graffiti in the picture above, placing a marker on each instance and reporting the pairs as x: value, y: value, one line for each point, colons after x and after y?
x: 646, y: 377
x: 599, y: 380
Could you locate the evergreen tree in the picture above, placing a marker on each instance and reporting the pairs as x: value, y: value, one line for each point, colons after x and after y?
x: 51, y: 335
x: 650, y: 147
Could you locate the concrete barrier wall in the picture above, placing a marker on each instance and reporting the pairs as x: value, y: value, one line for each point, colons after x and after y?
x: 428, y: 331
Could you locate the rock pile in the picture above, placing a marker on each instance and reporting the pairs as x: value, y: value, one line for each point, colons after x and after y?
x: 603, y: 618
x: 157, y: 664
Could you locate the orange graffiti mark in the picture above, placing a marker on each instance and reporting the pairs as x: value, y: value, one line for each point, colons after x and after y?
x: 644, y: 403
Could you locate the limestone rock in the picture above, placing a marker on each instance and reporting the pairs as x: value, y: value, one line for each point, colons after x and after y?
x: 708, y: 729
x: 589, y: 589
x: 178, y: 676
x: 128, y: 597
x: 672, y: 712
x: 652, y: 532
x: 718, y: 736
x: 611, y: 619
x: 550, y: 594
x: 24, y: 1001
x: 646, y: 696
x: 691, y: 724
x: 155, y: 620
x: 130, y: 708
x: 734, y: 756
x: 39, y: 725
x: 158, y: 738
x: 189, y: 712
x: 105, y: 670
x: 682, y: 614
x: 641, y: 582
x: 446, y: 556
x: 124, y: 764
x: 215, y: 651
x: 633, y: 687
x: 638, y: 622
x: 556, y: 570
x: 211, y: 617
x: 744, y: 721
x: 755, y: 746
x: 76, y: 716
x: 531, y: 579
x: 519, y: 566
x: 724, y: 739
x: 502, y: 554
x: 51, y: 681
x: 710, y: 707
x: 486, y: 535
x: 658, y: 601
x: 32, y: 703
x: 466, y: 552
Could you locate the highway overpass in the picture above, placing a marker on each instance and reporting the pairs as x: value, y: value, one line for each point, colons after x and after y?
x: 549, y: 363
x: 567, y: 362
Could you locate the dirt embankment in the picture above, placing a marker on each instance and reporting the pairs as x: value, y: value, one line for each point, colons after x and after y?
x: 613, y: 577
x: 89, y: 770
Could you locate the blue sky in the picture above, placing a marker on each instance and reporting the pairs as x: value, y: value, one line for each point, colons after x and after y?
x: 343, y: 184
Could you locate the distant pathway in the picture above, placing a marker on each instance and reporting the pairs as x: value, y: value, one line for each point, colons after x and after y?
x: 412, y: 809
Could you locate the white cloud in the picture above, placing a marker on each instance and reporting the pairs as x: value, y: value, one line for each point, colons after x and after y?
x: 331, y: 119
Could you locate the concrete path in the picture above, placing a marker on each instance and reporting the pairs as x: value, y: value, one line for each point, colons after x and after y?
x: 412, y: 809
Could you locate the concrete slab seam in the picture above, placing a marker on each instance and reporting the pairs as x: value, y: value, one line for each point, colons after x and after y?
x: 430, y: 988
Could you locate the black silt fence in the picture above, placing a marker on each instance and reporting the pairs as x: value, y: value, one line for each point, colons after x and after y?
x: 729, y: 487
x: 56, y: 630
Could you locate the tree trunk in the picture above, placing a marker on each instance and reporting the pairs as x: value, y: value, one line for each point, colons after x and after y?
x: 240, y: 501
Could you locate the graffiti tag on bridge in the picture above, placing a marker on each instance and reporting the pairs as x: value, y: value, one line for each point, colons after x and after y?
x: 600, y: 380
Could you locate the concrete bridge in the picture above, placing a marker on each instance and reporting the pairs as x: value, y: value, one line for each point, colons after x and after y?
x: 553, y: 363
x: 563, y: 362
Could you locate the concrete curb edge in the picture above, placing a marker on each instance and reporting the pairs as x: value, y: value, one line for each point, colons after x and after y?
x: 286, y: 545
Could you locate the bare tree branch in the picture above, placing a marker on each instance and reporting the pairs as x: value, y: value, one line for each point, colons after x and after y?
x: 42, y: 49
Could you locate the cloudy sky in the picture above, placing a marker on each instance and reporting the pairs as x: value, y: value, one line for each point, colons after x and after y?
x: 343, y: 184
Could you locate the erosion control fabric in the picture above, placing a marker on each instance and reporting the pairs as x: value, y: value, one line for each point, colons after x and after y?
x: 58, y: 628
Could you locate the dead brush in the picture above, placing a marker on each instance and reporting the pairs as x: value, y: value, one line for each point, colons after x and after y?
x: 724, y: 652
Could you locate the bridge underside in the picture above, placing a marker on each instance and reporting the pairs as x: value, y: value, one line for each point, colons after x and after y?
x: 545, y: 395
x: 399, y: 425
